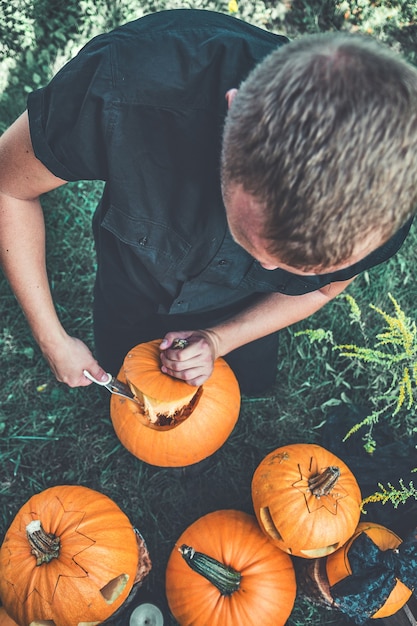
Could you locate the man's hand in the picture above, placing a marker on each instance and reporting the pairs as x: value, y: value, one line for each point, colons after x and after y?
x: 270, y: 313
x: 70, y: 359
x: 194, y: 363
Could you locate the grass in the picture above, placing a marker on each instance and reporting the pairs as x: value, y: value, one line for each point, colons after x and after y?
x: 53, y: 435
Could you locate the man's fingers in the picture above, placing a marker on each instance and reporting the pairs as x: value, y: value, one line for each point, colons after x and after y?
x: 194, y: 376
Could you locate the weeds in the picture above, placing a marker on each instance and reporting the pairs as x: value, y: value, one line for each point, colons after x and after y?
x: 390, y: 362
x: 394, y: 495
x: 390, y: 359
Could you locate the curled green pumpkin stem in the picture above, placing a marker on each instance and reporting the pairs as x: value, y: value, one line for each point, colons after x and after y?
x: 322, y: 484
x: 44, y: 546
x: 225, y: 578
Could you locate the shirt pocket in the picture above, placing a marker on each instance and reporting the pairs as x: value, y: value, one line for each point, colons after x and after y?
x: 158, y: 246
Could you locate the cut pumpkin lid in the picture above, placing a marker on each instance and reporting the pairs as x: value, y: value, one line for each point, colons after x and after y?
x: 159, y: 393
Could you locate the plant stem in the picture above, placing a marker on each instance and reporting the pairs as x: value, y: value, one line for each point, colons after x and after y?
x: 322, y: 484
x: 226, y: 579
x: 45, y: 546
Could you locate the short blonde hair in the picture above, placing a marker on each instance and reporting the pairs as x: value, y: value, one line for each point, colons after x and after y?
x: 323, y: 133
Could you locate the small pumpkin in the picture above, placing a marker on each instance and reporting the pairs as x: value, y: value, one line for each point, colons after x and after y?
x: 69, y: 557
x: 224, y: 571
x: 374, y: 591
x: 5, y: 619
x: 175, y: 424
x: 306, y: 500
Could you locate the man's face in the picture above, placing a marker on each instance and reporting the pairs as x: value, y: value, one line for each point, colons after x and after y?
x: 244, y: 216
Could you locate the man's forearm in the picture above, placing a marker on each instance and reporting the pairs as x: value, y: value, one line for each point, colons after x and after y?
x: 23, y: 179
x: 22, y: 255
x: 271, y: 313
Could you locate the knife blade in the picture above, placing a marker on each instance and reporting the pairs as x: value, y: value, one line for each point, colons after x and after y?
x: 114, y: 385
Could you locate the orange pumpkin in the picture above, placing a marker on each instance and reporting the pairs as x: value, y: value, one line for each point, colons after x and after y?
x: 175, y: 424
x: 70, y: 557
x: 337, y: 565
x: 317, y: 578
x: 5, y: 620
x: 224, y: 571
x: 306, y: 500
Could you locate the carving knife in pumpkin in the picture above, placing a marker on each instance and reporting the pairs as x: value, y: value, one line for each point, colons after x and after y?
x: 114, y: 386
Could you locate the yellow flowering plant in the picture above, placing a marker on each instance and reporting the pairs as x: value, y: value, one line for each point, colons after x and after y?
x: 390, y: 493
x: 395, y: 351
x: 393, y: 357
x: 390, y: 355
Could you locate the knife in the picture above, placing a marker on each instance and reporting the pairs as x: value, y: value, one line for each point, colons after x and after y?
x: 114, y: 385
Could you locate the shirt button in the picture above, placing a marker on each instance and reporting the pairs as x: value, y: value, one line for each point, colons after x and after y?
x: 222, y: 262
x: 179, y: 302
x: 143, y: 241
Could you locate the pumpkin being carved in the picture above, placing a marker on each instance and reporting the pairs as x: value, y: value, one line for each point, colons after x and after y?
x: 174, y: 424
x: 225, y: 572
x: 306, y: 500
x: 69, y: 558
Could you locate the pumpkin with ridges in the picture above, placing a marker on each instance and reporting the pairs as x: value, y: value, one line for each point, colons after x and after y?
x: 240, y: 576
x: 337, y: 565
x: 177, y: 425
x: 317, y: 576
x: 306, y: 500
x: 70, y: 557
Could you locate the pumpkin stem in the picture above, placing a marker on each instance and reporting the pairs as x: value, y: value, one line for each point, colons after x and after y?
x: 44, y: 546
x: 179, y: 344
x: 225, y: 578
x: 322, y: 484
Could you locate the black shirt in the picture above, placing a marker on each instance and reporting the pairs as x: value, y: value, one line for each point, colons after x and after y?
x: 142, y: 108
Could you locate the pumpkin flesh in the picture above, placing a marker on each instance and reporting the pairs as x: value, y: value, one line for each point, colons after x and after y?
x: 164, y: 400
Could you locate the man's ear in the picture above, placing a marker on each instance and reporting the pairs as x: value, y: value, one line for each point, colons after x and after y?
x: 230, y: 96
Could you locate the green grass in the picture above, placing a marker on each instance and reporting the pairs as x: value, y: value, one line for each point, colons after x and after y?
x: 53, y: 435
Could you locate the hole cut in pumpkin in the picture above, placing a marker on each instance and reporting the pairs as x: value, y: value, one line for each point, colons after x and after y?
x: 268, y: 523
x: 114, y: 588
x: 165, y: 401
x: 164, y: 415
x: 320, y: 552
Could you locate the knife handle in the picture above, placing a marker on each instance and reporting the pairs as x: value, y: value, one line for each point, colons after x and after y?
x: 95, y: 380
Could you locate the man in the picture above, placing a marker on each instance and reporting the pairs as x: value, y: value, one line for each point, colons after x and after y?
x: 248, y: 180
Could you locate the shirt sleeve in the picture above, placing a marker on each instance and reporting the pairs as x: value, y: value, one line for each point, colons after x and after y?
x: 70, y: 118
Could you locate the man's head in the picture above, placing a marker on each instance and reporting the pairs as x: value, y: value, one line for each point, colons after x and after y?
x: 321, y: 139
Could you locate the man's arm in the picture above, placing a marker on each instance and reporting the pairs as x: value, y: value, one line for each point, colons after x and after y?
x: 23, y: 178
x: 273, y: 312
